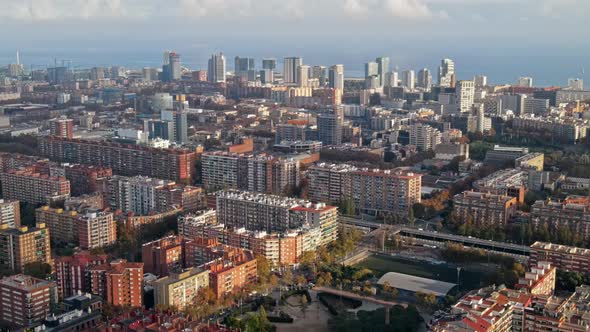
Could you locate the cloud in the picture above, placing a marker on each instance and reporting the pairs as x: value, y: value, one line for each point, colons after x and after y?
x: 46, y: 10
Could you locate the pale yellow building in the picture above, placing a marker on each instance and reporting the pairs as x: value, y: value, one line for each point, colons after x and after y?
x: 180, y: 289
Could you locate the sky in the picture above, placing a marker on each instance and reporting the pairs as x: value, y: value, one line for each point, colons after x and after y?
x: 501, y: 38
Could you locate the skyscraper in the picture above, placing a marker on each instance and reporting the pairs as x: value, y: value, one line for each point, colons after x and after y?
x: 290, y: 66
x: 171, y: 69
x: 446, y: 72
x: 424, y: 79
x: 575, y: 84
x: 266, y: 76
x: 242, y: 66
x: 269, y: 63
x: 175, y: 69
x: 525, y: 81
x: 371, y: 69
x: 319, y: 72
x: 216, y: 69
x: 382, y: 68
x: 465, y: 94
x: 391, y: 79
x: 480, y: 80
x: 408, y: 79
x: 336, y: 77
x: 303, y: 76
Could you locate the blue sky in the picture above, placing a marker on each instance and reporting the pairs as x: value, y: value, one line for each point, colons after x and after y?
x: 414, y: 33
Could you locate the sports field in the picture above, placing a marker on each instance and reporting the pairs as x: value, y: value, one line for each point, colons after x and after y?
x: 381, y: 264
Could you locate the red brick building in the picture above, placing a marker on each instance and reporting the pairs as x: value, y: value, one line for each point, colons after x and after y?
x: 164, y: 255
x: 29, y: 186
x: 26, y: 300
x: 118, y: 282
x: 85, y: 179
x: 124, y: 159
x: 73, y: 272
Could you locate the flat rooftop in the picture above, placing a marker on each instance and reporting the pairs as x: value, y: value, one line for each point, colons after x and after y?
x: 416, y: 284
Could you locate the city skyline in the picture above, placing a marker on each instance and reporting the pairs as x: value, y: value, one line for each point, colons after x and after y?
x: 494, y: 37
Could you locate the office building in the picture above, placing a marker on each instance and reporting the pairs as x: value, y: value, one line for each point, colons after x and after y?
x: 9, y: 213
x: 424, y: 80
x: 216, y: 68
x: 270, y: 213
x: 533, y: 106
x: 62, y: 127
x: 177, y: 116
x: 119, y: 282
x: 290, y: 132
x: 391, y: 79
x: 501, y: 155
x: 181, y: 288
x: 464, y: 96
x: 243, y: 65
x: 267, y: 76
x: 484, y: 208
x: 290, y: 66
x: 163, y: 256
x: 336, y: 77
x: 372, y: 191
x: 319, y: 73
x: 424, y: 137
x: 175, y: 67
x: 408, y: 79
x: 269, y: 63
x: 26, y: 300
x: 330, y: 126
x: 149, y: 74
x: 371, y: 69
x: 303, y: 76
x: 524, y: 81
x: 382, y: 69
x: 123, y: 159
x: 24, y: 245
x: 73, y: 274
x: 57, y: 75
x: 446, y: 73
x: 28, y: 185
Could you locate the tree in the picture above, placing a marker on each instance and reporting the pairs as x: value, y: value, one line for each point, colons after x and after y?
x: 300, y: 280
x: 390, y: 291
x: 38, y: 270
x: 287, y: 277
x: 263, y: 269
x: 426, y: 300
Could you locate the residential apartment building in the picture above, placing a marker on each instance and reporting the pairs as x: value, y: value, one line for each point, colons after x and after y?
x: 506, y: 182
x: 539, y: 280
x: 118, y: 282
x: 27, y: 185
x: 484, y: 208
x: 24, y: 245
x: 232, y: 270
x: 260, y: 173
x: 424, y: 137
x: 73, y: 272
x: 10, y: 213
x: 163, y: 256
x: 123, y: 159
x: 26, y: 300
x: 565, y: 258
x: 572, y: 212
x: 280, y: 248
x: 191, y: 225
x: 181, y: 288
x: 270, y: 213
x: 61, y: 127
x: 372, y: 191
x: 96, y: 229
x: 143, y: 195
x: 86, y: 179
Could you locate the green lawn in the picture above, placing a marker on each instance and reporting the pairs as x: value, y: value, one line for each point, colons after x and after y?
x: 381, y: 264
